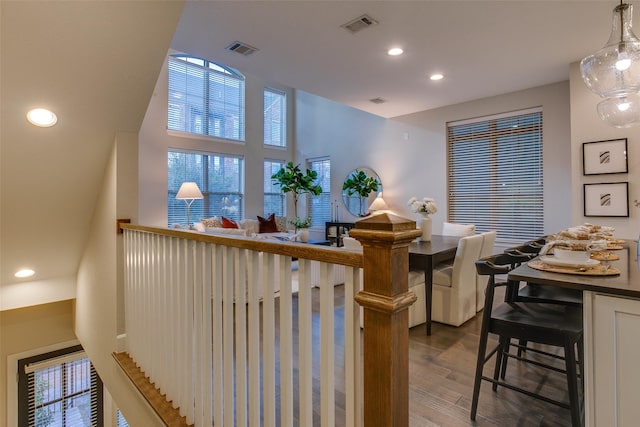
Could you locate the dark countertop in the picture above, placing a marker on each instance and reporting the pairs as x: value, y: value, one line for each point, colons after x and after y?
x: 627, y: 283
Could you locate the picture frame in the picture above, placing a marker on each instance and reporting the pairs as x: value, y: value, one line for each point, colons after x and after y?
x: 606, y: 199
x: 605, y: 157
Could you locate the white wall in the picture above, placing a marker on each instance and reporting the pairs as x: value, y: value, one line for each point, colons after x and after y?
x: 97, y: 311
x: 155, y: 142
x: 586, y: 126
x: 409, y: 152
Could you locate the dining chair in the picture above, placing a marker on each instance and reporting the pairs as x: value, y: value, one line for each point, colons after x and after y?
x: 534, y: 292
x: 488, y: 243
x: 553, y: 325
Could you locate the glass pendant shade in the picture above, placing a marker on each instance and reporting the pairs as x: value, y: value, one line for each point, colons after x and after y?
x: 620, y: 112
x: 614, y: 70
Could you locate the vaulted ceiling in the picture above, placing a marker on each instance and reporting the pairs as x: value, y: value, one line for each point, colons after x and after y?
x: 96, y: 62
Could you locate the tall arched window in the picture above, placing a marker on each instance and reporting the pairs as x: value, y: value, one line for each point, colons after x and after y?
x: 205, y: 98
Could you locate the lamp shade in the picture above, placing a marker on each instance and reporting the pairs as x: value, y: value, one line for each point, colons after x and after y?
x: 189, y: 191
x: 614, y: 70
x: 378, y: 204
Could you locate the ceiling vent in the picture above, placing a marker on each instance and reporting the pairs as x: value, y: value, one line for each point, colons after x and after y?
x: 378, y: 100
x: 242, y: 48
x: 360, y: 23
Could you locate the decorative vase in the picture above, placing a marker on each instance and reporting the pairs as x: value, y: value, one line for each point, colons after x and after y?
x: 424, y: 224
x: 304, y: 235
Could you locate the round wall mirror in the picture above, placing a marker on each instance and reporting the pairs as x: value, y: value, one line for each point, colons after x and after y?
x: 359, y: 189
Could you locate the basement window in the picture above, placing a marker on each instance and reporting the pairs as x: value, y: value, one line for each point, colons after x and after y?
x: 60, y: 389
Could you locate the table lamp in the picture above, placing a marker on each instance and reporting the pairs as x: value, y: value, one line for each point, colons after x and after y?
x: 378, y: 204
x: 189, y: 192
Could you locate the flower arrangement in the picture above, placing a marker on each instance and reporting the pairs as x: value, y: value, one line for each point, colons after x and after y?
x: 425, y: 206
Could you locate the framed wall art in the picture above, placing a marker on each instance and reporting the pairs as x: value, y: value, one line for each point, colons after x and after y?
x: 610, y: 199
x: 602, y: 157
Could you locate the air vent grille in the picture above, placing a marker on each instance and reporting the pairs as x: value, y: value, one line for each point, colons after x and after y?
x: 359, y: 23
x: 242, y: 48
x: 378, y: 100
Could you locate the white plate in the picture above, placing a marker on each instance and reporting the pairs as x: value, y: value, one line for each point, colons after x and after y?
x: 566, y: 263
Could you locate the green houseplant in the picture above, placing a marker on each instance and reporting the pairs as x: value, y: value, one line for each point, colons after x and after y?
x: 292, y: 180
x: 360, y: 184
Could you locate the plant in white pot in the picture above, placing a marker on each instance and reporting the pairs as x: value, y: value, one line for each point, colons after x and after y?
x: 292, y: 180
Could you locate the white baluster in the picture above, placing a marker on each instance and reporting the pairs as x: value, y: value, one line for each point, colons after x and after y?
x: 327, y: 346
x: 305, y: 343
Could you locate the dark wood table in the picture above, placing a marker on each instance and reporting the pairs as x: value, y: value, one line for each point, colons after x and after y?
x: 424, y: 255
x: 627, y: 283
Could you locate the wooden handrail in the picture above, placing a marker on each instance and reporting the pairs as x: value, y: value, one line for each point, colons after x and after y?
x: 321, y: 253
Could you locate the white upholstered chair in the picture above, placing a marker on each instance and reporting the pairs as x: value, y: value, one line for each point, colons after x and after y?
x: 454, y: 287
x: 488, y: 242
x: 453, y: 229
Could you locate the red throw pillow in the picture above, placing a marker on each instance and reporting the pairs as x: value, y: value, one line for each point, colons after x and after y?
x: 229, y: 223
x: 268, y: 225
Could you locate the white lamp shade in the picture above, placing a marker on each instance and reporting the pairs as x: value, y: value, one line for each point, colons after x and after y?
x: 378, y: 204
x: 189, y: 191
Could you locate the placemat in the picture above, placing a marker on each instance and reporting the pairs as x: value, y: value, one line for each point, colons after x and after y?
x: 597, y: 270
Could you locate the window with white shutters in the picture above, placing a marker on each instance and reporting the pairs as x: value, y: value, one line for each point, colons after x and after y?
x: 220, y: 178
x: 495, y: 178
x: 320, y: 206
x: 205, y: 98
x: 274, y: 199
x: 275, y: 118
x: 59, y: 389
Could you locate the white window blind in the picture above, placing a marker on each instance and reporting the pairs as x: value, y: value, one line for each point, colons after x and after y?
x: 274, y: 199
x: 275, y: 118
x: 320, y: 206
x: 59, y: 389
x: 220, y: 179
x: 205, y: 98
x: 495, y: 178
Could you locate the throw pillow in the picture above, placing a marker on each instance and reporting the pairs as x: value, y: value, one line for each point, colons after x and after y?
x: 267, y: 225
x: 281, y: 222
x: 228, y: 223
x: 211, y: 222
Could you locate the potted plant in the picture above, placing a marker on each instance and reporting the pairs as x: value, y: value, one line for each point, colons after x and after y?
x: 291, y: 179
x: 360, y: 184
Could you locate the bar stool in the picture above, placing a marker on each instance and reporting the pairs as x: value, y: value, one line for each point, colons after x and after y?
x: 553, y: 325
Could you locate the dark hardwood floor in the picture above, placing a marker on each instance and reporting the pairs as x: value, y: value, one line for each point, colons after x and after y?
x: 441, y: 372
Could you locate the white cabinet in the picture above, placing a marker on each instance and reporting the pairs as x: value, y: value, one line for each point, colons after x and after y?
x: 612, y: 358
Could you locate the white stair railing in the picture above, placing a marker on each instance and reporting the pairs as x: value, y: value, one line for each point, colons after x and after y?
x: 222, y: 327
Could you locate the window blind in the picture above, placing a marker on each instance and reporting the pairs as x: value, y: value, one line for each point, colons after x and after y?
x: 495, y: 174
x: 274, y: 199
x: 205, y: 98
x: 275, y: 119
x: 320, y: 206
x: 59, y: 389
x: 220, y: 179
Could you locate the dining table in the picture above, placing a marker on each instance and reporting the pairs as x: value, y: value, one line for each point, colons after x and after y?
x: 424, y: 255
x: 611, y: 321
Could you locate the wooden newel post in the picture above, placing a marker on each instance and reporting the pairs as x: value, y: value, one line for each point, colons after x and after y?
x: 386, y: 298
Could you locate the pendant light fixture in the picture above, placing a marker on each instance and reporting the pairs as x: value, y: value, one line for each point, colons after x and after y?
x: 613, y: 72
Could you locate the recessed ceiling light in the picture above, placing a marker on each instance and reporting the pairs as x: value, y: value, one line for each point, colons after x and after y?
x: 25, y: 273
x: 436, y: 76
x: 395, y: 51
x: 42, y: 117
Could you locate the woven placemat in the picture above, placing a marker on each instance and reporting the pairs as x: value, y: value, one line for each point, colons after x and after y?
x: 596, y: 270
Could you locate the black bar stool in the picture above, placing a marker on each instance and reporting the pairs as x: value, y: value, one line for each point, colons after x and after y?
x: 555, y: 325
